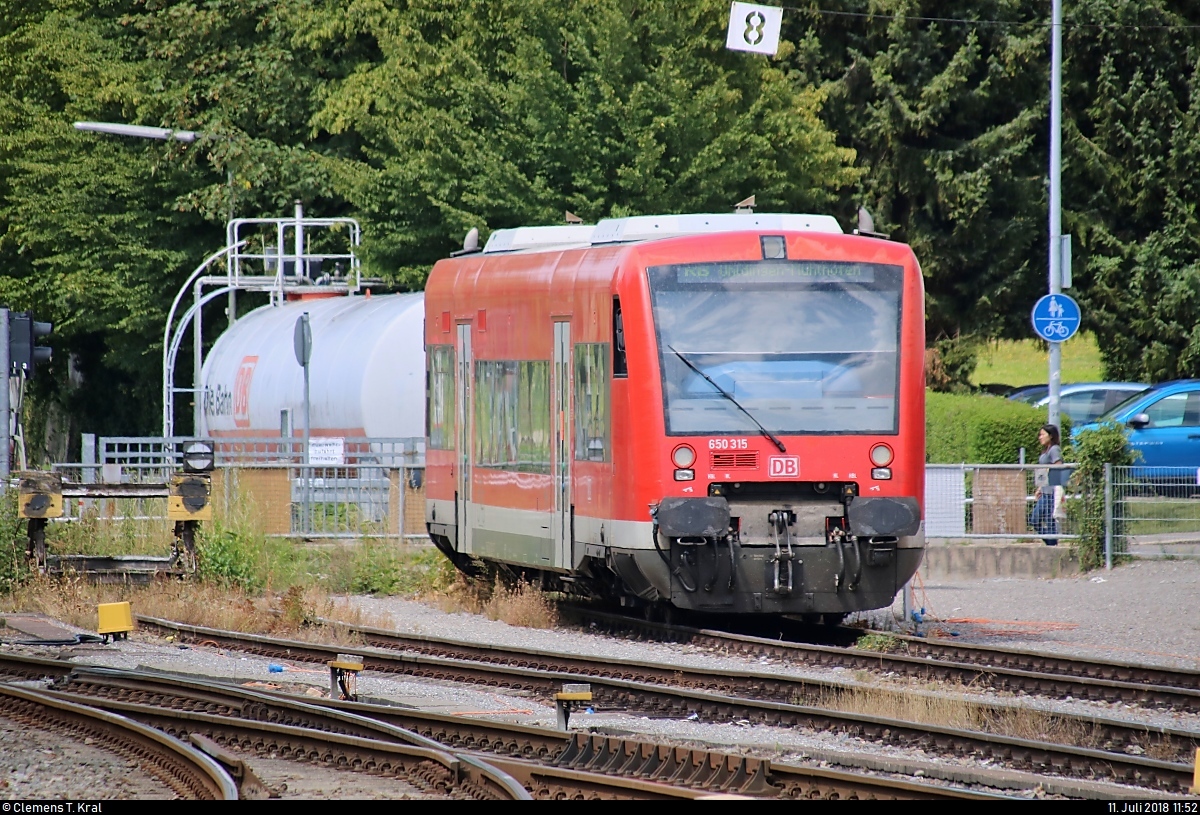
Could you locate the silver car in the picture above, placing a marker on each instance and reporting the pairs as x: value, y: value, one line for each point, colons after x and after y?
x: 1082, y: 401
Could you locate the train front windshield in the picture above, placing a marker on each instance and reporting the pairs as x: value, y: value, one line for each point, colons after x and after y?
x: 804, y: 346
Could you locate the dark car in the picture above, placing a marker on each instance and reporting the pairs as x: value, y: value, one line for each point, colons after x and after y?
x: 1082, y: 401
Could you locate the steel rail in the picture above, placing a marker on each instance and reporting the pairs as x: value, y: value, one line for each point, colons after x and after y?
x: 775, y: 686
x: 186, y: 770
x: 353, y: 735
x: 703, y: 770
x: 1035, y: 673
x: 998, y: 657
x: 1108, y: 733
x: 661, y: 700
x: 434, y: 770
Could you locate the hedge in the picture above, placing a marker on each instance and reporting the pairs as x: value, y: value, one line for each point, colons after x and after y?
x: 982, y: 429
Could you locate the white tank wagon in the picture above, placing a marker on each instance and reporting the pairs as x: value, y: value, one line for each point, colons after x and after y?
x: 367, y: 370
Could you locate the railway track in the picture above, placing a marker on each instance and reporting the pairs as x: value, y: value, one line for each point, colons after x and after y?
x: 426, y: 766
x: 545, y: 761
x: 1009, y: 669
x: 1115, y: 758
x: 187, y: 771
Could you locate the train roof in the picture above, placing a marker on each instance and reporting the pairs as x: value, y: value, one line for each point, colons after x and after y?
x: 651, y: 227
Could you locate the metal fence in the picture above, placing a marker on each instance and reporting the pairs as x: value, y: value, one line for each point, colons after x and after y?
x: 1154, y: 512
x: 352, y: 487
x: 998, y: 501
x: 1141, y: 511
x: 373, y: 487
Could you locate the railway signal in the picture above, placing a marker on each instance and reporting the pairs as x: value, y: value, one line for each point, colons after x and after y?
x: 24, y: 354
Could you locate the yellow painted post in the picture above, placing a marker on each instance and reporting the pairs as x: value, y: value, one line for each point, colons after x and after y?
x: 1196, y: 774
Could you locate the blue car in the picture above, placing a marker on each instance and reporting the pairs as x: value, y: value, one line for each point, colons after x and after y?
x: 1163, y: 424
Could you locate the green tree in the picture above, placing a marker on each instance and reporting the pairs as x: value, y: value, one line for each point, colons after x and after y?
x: 1131, y: 143
x: 502, y: 113
x: 97, y: 233
x: 947, y: 121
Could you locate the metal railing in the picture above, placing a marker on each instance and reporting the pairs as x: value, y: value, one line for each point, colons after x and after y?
x: 997, y: 501
x: 1143, y: 512
x: 1154, y: 512
x: 139, y: 452
x: 369, y: 490
x: 364, y: 491
x: 338, y: 502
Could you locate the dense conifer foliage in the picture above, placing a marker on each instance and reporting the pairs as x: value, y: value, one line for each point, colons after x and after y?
x: 428, y: 117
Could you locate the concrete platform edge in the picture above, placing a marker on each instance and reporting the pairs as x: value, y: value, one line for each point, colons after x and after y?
x: 948, y: 559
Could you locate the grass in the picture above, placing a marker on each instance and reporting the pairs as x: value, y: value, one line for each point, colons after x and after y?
x: 943, y: 709
x: 1157, y: 515
x: 292, y: 613
x: 882, y: 643
x: 1024, y: 362
x: 519, y: 603
x: 247, y: 580
x: 114, y: 527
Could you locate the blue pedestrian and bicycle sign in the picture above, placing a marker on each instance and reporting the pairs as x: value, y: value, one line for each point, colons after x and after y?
x: 1056, y: 317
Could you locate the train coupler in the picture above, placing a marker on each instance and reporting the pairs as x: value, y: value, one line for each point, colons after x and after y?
x: 782, y: 521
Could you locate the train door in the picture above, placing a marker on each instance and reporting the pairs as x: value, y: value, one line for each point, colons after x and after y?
x: 563, y: 424
x: 463, y: 392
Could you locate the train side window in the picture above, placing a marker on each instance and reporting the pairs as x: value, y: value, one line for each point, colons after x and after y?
x: 439, y: 413
x: 496, y: 414
x: 620, y: 363
x: 533, y: 416
x: 512, y: 415
x: 592, y: 402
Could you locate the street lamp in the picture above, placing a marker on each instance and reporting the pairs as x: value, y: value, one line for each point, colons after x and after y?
x: 164, y: 134
x: 139, y: 131
x: 187, y: 136
x: 160, y: 134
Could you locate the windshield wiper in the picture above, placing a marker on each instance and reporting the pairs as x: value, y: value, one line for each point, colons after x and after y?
x: 736, y: 403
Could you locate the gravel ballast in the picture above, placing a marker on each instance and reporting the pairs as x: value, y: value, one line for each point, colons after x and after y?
x: 1083, y: 616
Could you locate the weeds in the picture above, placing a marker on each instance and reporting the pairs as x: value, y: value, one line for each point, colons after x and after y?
x: 14, y: 566
x: 246, y: 580
x: 940, y: 708
x: 514, y: 602
x: 110, y: 526
x: 881, y: 643
x: 385, y: 568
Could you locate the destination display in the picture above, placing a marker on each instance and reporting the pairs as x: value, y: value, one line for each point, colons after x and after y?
x: 776, y: 271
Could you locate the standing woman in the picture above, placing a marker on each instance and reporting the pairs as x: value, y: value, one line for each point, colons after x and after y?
x: 1042, y: 517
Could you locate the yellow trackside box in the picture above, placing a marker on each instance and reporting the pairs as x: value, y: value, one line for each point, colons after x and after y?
x: 114, y: 618
x: 39, y: 495
x: 188, y: 499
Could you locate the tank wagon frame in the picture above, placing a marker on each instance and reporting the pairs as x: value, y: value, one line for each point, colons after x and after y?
x: 293, y: 258
x: 717, y: 412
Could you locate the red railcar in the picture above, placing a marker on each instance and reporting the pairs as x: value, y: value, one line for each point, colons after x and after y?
x: 720, y: 412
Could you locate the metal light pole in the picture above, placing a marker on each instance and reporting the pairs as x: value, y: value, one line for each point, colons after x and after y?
x: 1055, y: 378
x: 5, y: 407
x: 187, y: 136
x: 302, y: 344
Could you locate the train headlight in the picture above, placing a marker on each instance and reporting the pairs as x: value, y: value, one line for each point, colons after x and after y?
x: 881, y: 455
x: 685, y: 475
x: 683, y: 456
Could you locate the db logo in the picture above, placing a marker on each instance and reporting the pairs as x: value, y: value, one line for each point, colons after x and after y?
x: 783, y: 467
x: 241, y: 392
